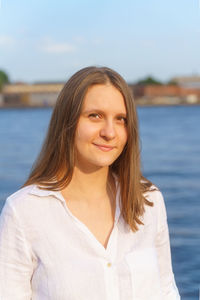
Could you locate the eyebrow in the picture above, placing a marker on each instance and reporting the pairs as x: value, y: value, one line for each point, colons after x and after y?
x: 102, y: 112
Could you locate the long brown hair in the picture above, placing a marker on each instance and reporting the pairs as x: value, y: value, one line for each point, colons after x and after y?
x: 57, y: 152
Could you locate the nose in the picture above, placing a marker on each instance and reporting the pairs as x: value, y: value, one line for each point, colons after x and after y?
x: 108, y: 130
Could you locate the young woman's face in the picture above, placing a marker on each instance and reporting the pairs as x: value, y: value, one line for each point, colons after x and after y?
x: 101, y: 132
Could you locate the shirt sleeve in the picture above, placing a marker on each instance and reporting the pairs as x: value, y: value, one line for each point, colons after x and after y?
x: 16, y: 265
x: 169, y: 289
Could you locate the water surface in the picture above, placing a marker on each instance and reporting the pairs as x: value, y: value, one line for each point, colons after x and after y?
x: 170, y: 149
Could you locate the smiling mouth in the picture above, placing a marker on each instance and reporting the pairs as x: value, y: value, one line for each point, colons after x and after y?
x: 104, y: 148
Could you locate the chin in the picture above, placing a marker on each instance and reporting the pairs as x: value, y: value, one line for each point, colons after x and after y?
x: 105, y: 163
x: 94, y: 161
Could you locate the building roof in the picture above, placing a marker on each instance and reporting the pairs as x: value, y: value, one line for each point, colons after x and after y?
x: 188, y: 81
x: 32, y: 88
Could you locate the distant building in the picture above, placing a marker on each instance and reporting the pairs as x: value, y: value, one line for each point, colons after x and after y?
x: 34, y: 95
x: 192, y: 82
x: 165, y: 94
x: 45, y: 94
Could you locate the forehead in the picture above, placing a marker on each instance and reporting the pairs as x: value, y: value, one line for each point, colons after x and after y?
x: 104, y: 97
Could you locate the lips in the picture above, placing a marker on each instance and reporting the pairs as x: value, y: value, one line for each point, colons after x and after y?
x: 104, y: 148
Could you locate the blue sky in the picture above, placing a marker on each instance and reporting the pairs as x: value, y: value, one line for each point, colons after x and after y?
x: 50, y: 40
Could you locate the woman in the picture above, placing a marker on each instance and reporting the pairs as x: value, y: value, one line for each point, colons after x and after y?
x: 87, y: 224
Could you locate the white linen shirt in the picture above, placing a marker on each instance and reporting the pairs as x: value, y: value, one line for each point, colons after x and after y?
x: 47, y: 253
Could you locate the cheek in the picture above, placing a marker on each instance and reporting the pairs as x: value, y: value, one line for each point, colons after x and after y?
x: 123, y: 136
x: 85, y: 133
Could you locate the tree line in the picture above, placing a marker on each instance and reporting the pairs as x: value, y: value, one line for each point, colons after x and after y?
x: 4, y: 79
x: 149, y: 80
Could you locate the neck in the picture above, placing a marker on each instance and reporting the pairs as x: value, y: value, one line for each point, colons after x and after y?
x: 90, y: 186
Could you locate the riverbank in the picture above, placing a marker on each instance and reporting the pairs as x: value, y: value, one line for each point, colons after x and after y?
x: 139, y: 103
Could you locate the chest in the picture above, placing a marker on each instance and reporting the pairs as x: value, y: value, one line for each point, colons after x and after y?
x: 71, y: 257
x: 99, y: 220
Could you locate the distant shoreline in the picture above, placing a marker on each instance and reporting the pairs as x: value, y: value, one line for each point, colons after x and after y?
x: 137, y: 104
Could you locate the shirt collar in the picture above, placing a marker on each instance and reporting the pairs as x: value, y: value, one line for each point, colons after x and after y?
x: 36, y: 190
x: 117, y: 197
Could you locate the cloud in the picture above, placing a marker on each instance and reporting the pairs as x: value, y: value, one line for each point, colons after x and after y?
x: 98, y: 41
x: 6, y: 40
x: 50, y: 46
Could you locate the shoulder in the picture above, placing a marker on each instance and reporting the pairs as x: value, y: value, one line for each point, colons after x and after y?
x: 15, y: 207
x: 21, y: 193
x: 154, y: 195
x: 28, y: 205
x: 25, y: 202
x: 20, y: 197
x: 158, y: 210
x: 150, y: 191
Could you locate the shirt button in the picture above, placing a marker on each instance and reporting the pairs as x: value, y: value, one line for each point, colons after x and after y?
x: 109, y: 264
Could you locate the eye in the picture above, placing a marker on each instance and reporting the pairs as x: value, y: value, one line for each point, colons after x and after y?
x: 122, y: 119
x: 94, y: 116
